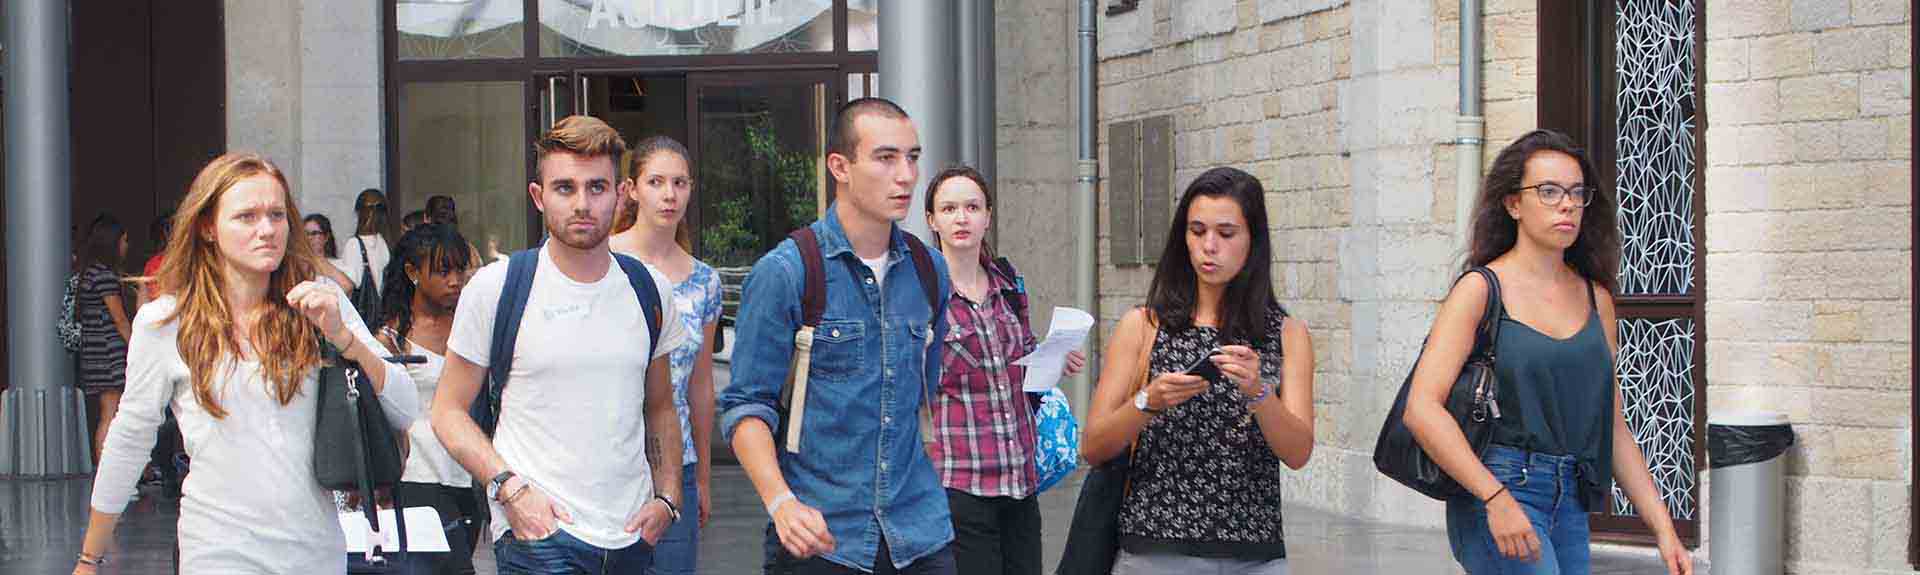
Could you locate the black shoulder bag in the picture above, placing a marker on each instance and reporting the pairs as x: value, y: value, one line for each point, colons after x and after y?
x: 366, y: 296
x: 355, y: 448
x: 1472, y: 402
x: 1094, y: 537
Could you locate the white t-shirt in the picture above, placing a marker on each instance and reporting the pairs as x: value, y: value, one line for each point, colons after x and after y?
x: 572, y: 418
x: 349, y: 269
x: 879, y: 267
x: 427, y: 459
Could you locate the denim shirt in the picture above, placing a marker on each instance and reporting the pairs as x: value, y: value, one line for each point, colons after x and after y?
x: 861, y: 462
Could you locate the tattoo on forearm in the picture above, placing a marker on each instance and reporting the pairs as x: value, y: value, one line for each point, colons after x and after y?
x: 653, y: 448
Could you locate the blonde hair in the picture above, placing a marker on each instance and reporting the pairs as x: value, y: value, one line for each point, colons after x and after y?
x: 191, y: 272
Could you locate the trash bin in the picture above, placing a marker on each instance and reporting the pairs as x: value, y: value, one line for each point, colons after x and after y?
x: 1747, y: 519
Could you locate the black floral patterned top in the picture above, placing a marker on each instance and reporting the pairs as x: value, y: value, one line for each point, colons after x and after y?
x: 1203, y: 481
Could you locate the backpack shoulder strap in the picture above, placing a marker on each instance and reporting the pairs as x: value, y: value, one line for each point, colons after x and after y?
x: 923, y: 265
x: 1017, y: 295
x: 813, y: 294
x: 649, y: 292
x: 506, y: 332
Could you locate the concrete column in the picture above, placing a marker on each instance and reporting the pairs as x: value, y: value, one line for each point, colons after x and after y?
x: 919, y: 71
x: 42, y: 422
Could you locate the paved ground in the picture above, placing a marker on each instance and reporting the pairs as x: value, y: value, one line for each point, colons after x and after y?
x: 41, y: 523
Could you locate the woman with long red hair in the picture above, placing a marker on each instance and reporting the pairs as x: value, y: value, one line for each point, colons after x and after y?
x: 232, y: 344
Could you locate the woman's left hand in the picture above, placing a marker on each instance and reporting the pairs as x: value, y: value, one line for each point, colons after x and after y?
x: 1241, y: 365
x: 319, y: 303
x: 1675, y: 556
x: 1076, y: 362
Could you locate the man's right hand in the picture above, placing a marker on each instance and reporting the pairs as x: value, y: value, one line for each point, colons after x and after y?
x: 531, y: 514
x: 802, y: 530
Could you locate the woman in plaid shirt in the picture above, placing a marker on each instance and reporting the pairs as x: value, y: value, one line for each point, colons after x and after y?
x: 983, y: 422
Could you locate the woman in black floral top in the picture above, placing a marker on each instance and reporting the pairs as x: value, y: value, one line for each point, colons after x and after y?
x: 1204, y: 487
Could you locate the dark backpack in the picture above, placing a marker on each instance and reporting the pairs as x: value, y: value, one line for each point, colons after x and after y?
x: 813, y: 305
x: 513, y: 304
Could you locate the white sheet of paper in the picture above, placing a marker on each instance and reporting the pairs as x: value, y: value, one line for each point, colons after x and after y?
x: 424, y: 533
x: 1068, y: 333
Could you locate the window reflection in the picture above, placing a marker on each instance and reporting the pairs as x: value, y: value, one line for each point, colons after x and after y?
x: 587, y: 28
x: 460, y: 29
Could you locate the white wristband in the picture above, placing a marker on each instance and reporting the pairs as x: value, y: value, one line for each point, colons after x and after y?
x: 777, y: 501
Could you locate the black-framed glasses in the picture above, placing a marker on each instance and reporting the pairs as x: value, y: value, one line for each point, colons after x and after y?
x: 1551, y: 194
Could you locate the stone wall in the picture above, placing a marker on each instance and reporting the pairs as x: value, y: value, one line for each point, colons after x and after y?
x: 303, y: 88
x: 1809, y: 259
x: 1035, y: 48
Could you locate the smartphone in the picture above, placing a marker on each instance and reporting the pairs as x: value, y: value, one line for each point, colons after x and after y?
x: 1205, y: 367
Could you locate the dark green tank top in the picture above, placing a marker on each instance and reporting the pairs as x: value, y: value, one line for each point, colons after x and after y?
x: 1557, y: 395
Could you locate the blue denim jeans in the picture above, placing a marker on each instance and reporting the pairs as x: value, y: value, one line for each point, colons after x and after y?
x: 778, y: 562
x: 561, y: 553
x: 1548, y: 488
x: 679, y: 550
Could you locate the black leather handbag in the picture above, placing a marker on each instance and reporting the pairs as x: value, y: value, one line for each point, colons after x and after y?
x: 1472, y: 402
x: 355, y: 448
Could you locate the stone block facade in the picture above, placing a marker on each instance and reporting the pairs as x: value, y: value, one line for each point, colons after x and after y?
x: 1809, y: 259
x: 303, y: 87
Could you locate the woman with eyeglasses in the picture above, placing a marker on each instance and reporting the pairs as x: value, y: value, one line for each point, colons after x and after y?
x: 1549, y: 233
x: 319, y: 232
x: 1227, y: 396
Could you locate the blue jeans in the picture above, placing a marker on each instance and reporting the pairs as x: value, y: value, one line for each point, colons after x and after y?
x: 1548, y: 488
x: 561, y: 553
x: 679, y: 550
x: 778, y: 562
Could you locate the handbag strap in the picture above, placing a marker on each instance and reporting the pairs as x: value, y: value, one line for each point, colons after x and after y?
x: 1146, y: 375
x: 1488, y: 333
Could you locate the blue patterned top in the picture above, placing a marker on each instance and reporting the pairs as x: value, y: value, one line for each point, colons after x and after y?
x: 698, y: 300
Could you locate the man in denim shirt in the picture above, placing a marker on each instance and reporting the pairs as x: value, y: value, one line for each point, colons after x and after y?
x: 860, y: 495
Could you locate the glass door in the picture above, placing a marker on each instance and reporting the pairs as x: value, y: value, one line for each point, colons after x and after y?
x: 464, y: 139
x: 758, y: 143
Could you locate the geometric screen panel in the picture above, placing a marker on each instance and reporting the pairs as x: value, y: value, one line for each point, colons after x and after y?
x: 1654, y: 47
x: 1655, y: 367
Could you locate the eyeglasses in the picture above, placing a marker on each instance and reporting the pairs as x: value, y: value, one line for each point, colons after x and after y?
x: 1551, y: 194
x: 316, y: 233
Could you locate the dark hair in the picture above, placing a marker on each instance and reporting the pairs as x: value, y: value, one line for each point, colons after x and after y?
x: 413, y: 218
x: 952, y: 172
x: 330, y: 249
x: 1176, y: 286
x: 441, y: 208
x: 844, y: 140
x: 1595, y: 254
x: 158, y: 231
x: 370, y: 211
x: 103, y: 242
x: 428, y: 248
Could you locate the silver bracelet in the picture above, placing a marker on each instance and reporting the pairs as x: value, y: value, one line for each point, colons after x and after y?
x: 777, y: 501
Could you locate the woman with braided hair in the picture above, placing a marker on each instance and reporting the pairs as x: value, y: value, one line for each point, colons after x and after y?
x: 424, y: 280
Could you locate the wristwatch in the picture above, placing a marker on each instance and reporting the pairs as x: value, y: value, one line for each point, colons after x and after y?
x: 1140, y: 403
x: 493, y: 485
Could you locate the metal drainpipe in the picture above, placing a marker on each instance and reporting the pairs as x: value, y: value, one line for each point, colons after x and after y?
x: 1088, y: 172
x: 1469, y: 127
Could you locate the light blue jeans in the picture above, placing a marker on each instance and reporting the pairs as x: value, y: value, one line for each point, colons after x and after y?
x: 1548, y: 489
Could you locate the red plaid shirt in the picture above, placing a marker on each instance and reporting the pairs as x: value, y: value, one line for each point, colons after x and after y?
x: 982, y: 419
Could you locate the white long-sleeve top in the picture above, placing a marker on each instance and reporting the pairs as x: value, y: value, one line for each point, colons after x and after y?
x: 251, y: 504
